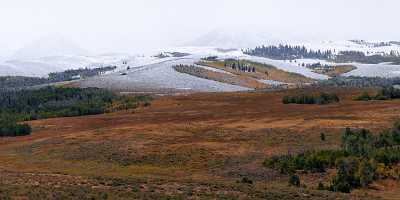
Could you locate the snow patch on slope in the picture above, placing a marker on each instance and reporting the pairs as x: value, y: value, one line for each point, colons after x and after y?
x: 375, y: 70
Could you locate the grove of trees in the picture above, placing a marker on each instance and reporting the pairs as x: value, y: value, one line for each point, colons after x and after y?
x: 10, y: 128
x: 362, y: 158
x: 24, y: 105
x: 288, y: 52
x: 354, y: 81
x: 239, y: 65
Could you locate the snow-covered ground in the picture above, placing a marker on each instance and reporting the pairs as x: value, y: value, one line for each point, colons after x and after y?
x: 41, y: 67
x: 150, y: 71
x: 214, y: 69
x: 200, y: 52
x: 271, y: 82
x: 375, y: 70
x: 159, y: 76
x: 346, y: 45
x: 287, y: 66
x: 384, y: 70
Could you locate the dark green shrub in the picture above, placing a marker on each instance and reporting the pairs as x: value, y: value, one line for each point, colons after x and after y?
x: 321, y: 186
x: 294, y: 180
x: 322, y: 98
x: 322, y: 136
x: 246, y: 180
x: 364, y: 97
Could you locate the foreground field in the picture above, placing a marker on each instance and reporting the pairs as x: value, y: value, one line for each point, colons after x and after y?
x: 187, y: 147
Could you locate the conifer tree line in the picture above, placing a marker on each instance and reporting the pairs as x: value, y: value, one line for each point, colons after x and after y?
x: 293, y: 52
x: 356, y: 81
x: 19, y: 82
x: 48, y: 102
x: 288, y: 52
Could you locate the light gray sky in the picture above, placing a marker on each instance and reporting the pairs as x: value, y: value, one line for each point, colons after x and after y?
x: 140, y: 25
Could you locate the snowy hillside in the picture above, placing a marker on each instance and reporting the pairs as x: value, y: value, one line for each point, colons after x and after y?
x: 368, y: 47
x: 146, y: 72
x: 159, y: 76
x: 41, y: 67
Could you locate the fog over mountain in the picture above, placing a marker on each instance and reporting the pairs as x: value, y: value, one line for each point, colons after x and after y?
x: 42, y: 36
x: 49, y: 46
x: 231, y: 38
x: 142, y: 26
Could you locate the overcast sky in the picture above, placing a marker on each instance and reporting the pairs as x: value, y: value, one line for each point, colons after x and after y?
x: 136, y: 25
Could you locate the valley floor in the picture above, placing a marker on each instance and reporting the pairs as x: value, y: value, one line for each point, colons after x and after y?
x: 197, y: 146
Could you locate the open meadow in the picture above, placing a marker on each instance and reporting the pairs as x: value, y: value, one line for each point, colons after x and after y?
x: 197, y: 146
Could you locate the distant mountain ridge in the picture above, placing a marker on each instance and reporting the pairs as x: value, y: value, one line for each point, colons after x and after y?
x: 53, y: 45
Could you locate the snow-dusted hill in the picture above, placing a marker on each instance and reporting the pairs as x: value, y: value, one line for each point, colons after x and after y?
x: 41, y: 67
x: 44, y: 65
x: 159, y: 76
x: 368, y: 47
x: 151, y: 71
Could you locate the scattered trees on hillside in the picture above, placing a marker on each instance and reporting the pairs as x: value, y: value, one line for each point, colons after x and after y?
x: 363, y: 158
x: 239, y: 65
x: 20, y: 82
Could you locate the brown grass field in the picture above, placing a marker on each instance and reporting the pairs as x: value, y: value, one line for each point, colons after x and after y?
x: 197, y: 146
x: 241, y: 80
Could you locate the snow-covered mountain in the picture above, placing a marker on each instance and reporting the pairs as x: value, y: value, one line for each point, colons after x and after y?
x: 52, y: 45
x: 53, y: 53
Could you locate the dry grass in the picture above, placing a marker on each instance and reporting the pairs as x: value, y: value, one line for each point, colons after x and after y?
x: 337, y: 70
x: 194, y: 146
x: 263, y: 71
x: 241, y: 80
